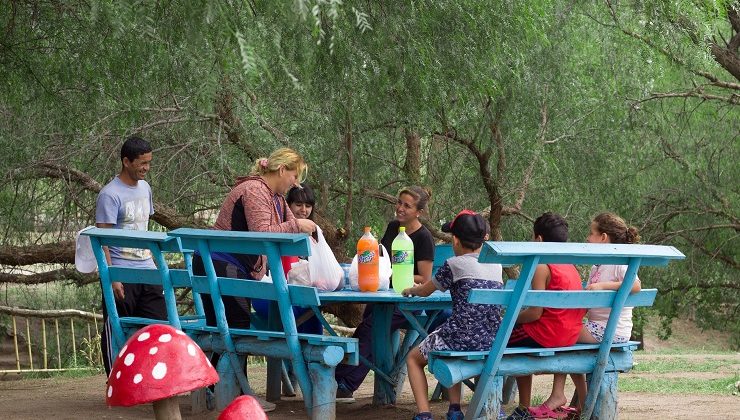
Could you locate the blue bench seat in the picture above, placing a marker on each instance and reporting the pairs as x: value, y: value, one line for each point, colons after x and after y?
x: 601, y: 362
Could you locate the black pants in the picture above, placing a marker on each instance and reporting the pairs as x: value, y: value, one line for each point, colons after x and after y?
x: 140, y: 300
x: 237, y: 309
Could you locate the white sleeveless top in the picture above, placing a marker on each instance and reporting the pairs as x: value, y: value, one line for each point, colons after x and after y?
x: 607, y: 273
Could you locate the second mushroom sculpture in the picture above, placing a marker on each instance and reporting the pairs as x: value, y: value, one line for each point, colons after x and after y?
x: 155, y: 365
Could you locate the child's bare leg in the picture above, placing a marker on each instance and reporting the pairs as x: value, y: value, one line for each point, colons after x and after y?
x: 524, y: 383
x: 415, y: 363
x: 585, y: 337
x: 579, y: 380
x: 455, y: 393
x: 557, y: 396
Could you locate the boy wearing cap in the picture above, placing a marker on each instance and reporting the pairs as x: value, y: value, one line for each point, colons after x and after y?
x: 471, y: 327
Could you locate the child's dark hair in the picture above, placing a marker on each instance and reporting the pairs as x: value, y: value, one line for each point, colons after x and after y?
x: 470, y: 245
x: 304, y: 194
x: 134, y: 147
x: 551, y: 227
x: 616, y: 229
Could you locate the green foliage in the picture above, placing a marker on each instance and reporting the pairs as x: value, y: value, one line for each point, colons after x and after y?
x: 566, y: 89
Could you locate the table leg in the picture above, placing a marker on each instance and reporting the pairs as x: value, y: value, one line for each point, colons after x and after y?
x: 385, y: 393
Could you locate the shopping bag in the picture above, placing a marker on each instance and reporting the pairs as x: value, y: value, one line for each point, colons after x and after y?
x: 384, y: 271
x: 322, y: 270
x: 300, y: 274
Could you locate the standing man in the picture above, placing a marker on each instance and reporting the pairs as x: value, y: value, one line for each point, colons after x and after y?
x: 126, y: 203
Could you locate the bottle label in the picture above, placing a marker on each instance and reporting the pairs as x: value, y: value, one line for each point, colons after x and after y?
x: 366, y: 257
x: 403, y: 257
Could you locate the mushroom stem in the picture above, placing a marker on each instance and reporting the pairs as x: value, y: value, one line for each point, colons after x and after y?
x: 167, y: 409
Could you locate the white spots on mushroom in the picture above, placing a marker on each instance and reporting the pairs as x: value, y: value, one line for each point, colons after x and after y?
x: 138, y: 378
x: 159, y: 371
x: 129, y: 359
x: 110, y: 390
x: 153, y: 350
x: 191, y: 349
x: 180, y: 332
x: 165, y: 338
x: 123, y: 350
x: 118, y: 375
x: 144, y: 336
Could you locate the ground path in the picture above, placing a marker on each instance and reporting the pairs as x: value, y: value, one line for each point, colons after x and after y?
x: 83, y: 398
x: 64, y: 398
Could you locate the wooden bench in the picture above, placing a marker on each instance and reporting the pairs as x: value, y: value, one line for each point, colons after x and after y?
x: 313, y: 357
x: 162, y: 275
x: 601, y: 362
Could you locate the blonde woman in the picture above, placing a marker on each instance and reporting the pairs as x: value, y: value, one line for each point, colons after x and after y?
x: 256, y: 203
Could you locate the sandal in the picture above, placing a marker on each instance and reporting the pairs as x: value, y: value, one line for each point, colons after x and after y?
x: 572, y: 412
x: 545, y: 412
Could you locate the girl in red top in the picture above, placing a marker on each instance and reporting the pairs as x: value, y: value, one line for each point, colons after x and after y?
x: 547, y: 327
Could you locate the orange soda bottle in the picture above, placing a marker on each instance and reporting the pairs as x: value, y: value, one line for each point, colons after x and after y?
x: 367, y: 262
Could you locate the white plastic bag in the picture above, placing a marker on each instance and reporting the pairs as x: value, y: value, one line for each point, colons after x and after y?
x: 384, y: 271
x: 84, y: 258
x: 321, y: 271
x: 300, y: 273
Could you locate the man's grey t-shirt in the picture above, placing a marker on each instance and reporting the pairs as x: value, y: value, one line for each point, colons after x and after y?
x: 128, y: 208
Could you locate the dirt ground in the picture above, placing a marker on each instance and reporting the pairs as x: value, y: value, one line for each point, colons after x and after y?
x: 83, y: 398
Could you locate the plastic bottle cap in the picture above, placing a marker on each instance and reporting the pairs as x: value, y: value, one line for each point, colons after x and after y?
x: 367, y: 229
x: 402, y: 229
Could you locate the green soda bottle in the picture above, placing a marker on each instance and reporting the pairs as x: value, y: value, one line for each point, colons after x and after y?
x: 402, y: 261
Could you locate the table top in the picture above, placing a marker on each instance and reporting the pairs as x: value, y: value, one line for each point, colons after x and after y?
x: 384, y: 296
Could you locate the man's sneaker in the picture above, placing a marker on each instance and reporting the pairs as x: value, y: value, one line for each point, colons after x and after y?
x: 520, y: 413
x: 455, y: 415
x: 344, y: 395
x: 266, y: 405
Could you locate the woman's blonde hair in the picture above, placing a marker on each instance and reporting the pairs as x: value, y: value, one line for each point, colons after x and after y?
x: 285, y: 157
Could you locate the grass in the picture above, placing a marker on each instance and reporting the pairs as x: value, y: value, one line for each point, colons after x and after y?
x: 722, y: 386
x: 687, y: 350
x: 678, y: 365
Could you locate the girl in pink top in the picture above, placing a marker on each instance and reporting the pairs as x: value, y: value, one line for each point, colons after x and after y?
x: 606, y: 228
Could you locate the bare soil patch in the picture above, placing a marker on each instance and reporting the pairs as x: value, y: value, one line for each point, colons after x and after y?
x: 76, y: 398
x: 82, y: 398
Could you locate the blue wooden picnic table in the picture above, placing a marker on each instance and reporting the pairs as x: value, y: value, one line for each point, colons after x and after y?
x: 388, y: 352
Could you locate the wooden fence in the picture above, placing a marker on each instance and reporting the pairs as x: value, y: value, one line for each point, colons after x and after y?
x: 49, y: 340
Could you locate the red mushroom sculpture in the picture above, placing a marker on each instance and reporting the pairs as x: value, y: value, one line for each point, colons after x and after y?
x: 243, y: 407
x: 155, y: 365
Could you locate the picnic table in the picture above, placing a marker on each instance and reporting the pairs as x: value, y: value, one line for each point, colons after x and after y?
x: 388, y: 351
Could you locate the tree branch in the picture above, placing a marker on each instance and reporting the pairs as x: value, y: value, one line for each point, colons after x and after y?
x: 732, y: 99
x: 668, y: 54
x: 57, y: 253
x: 50, y: 314
x: 727, y: 259
x: 62, y: 274
x: 700, y: 285
x: 163, y: 215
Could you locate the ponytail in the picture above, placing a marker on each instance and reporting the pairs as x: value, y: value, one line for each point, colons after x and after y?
x: 616, y: 229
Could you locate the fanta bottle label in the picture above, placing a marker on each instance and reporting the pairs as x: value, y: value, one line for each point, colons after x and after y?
x: 366, y: 257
